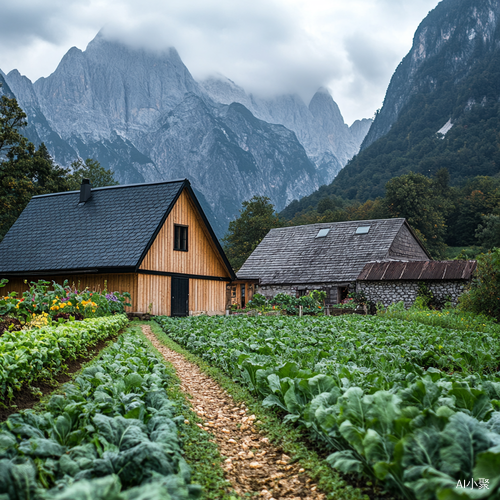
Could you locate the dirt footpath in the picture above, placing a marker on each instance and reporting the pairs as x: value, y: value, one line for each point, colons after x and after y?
x: 253, y: 465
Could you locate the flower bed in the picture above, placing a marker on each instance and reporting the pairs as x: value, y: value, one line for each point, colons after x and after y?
x: 41, y: 306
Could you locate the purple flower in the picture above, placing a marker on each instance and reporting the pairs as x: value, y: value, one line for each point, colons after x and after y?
x: 111, y: 296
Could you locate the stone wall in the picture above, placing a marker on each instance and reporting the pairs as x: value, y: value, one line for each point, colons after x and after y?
x: 331, y: 289
x: 390, y: 292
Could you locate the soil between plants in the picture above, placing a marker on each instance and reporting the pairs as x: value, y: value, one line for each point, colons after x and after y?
x: 253, y: 465
x: 26, y: 399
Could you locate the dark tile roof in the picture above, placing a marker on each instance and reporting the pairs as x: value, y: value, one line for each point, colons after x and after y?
x: 295, y: 255
x: 419, y: 270
x: 111, y: 230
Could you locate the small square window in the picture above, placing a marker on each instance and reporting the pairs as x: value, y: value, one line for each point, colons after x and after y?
x: 362, y: 229
x: 323, y: 232
x: 181, y: 238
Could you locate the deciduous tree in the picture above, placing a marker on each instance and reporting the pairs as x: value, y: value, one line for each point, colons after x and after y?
x: 256, y: 218
x: 420, y: 200
x: 24, y: 170
x: 90, y: 169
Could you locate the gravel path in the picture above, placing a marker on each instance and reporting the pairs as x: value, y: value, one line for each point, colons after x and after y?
x: 253, y: 464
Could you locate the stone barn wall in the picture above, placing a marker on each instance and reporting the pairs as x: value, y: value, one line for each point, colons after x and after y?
x: 390, y: 292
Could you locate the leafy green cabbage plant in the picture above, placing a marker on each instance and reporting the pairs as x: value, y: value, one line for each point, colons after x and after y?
x: 36, y: 354
x: 414, y: 406
x: 113, y: 434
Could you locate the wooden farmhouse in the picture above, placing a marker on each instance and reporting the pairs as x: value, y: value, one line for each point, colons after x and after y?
x: 327, y: 256
x: 152, y: 240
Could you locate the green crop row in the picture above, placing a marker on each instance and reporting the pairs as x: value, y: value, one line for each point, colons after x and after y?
x: 112, y: 435
x: 415, y: 406
x: 30, y: 355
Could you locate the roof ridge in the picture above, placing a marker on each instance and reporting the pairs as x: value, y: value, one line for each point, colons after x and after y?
x: 340, y: 222
x: 114, y: 187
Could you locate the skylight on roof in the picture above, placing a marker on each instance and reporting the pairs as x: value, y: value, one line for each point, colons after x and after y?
x: 362, y: 229
x: 323, y: 232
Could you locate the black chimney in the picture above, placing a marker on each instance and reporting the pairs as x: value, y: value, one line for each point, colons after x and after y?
x: 85, y: 190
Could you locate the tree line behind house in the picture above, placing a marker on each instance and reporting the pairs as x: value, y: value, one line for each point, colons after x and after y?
x: 452, y: 221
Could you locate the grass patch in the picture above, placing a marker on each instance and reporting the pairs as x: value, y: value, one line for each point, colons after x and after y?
x: 293, y: 441
x: 452, y: 318
x: 201, y: 453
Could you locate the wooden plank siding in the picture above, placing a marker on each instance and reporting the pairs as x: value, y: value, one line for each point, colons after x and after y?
x: 96, y: 282
x: 154, y: 290
x: 202, y: 257
x: 207, y: 297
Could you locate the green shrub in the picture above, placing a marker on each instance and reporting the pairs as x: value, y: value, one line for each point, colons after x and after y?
x: 483, y: 295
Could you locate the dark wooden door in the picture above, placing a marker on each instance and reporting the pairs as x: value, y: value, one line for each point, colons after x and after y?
x: 180, y: 297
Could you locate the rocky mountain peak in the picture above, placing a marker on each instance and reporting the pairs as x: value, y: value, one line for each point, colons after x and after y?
x: 141, y: 113
x: 327, y: 112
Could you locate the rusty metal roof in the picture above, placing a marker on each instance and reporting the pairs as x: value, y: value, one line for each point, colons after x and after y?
x: 418, y: 270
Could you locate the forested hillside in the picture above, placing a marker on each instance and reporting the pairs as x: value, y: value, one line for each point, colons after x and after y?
x: 451, y: 76
x: 470, y: 148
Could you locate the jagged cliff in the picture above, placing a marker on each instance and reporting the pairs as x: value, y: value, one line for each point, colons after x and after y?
x: 449, y: 42
x: 441, y: 110
x: 442, y: 107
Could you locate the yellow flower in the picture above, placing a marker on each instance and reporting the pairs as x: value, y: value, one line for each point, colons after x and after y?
x: 70, y: 304
x: 440, y: 346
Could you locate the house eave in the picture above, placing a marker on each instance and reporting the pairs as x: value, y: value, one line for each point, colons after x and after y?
x: 61, y: 272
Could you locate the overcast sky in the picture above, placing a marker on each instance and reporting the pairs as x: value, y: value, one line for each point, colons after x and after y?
x: 266, y: 46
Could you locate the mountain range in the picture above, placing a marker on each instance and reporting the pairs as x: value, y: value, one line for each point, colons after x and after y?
x: 143, y: 115
x: 441, y: 109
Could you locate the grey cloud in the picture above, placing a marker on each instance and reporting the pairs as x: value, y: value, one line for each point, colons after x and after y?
x: 371, y: 60
x: 266, y: 46
x: 258, y: 44
x: 27, y: 20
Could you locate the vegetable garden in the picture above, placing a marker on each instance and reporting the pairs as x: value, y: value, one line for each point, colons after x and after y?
x: 47, y: 327
x: 398, y: 398
x: 412, y: 405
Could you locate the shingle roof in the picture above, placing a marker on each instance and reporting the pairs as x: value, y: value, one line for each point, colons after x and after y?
x: 111, y: 230
x: 419, y: 270
x: 295, y: 255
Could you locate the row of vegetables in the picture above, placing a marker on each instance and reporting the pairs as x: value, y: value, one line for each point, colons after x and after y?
x: 112, y: 434
x: 412, y: 405
x: 41, y: 353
